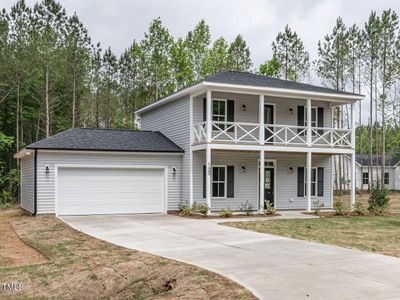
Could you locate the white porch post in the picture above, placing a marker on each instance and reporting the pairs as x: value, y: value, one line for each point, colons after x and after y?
x: 308, y: 186
x: 261, y: 119
x: 353, y: 158
x: 309, y: 140
x: 209, y: 116
x: 191, y: 152
x: 208, y: 175
x: 261, y: 185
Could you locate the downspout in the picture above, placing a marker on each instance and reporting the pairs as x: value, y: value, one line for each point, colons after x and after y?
x: 35, y: 185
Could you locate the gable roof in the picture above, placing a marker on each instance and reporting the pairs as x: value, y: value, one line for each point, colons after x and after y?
x: 96, y: 139
x: 390, y: 161
x: 254, y: 83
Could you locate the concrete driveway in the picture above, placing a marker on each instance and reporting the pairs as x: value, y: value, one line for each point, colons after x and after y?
x: 269, y: 266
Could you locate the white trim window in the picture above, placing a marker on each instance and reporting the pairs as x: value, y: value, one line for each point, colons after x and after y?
x: 365, y: 178
x: 314, y: 186
x: 218, y: 181
x: 386, y: 178
x: 314, y: 118
x: 219, y: 113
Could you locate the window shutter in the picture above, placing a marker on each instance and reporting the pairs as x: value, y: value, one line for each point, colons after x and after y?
x: 204, y: 181
x: 204, y: 109
x: 320, y: 181
x: 320, y: 119
x: 230, y: 190
x: 300, y: 117
x: 300, y: 182
x: 230, y: 116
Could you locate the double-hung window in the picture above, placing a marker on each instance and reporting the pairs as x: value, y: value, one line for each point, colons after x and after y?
x: 313, y: 182
x: 314, y: 118
x: 365, y: 178
x: 218, y: 181
x: 219, y: 114
x: 386, y: 178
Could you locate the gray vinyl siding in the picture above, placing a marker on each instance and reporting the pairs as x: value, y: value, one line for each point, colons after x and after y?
x: 282, y: 105
x: 376, y: 173
x: 27, y: 184
x: 246, y: 187
x: 173, y: 120
x: 46, y: 182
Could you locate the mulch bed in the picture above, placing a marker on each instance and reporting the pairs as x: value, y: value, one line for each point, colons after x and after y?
x: 239, y: 216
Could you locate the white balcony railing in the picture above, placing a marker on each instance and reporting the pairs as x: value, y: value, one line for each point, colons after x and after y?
x: 274, y: 134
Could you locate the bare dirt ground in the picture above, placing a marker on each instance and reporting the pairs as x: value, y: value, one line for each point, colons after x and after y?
x: 61, y: 262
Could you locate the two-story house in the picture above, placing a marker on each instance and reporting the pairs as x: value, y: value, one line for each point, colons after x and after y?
x: 231, y: 138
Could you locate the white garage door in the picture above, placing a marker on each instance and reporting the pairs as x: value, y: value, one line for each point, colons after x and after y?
x: 87, y: 191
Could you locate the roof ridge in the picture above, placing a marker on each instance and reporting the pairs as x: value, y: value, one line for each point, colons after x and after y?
x: 111, y: 129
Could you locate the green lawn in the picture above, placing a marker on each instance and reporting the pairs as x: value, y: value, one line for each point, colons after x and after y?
x: 372, y: 233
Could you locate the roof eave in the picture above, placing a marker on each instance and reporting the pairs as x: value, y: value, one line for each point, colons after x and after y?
x: 24, y: 152
x: 279, y: 92
x: 105, y: 150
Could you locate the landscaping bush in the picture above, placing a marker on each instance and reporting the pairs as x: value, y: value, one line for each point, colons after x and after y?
x: 340, y: 208
x: 202, y: 208
x: 268, y: 208
x: 318, y: 205
x: 226, y: 213
x: 186, y: 210
x: 360, y: 209
x: 378, y: 201
x: 247, y: 207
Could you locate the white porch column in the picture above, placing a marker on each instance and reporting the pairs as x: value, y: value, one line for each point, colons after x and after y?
x: 261, y: 118
x: 191, y: 152
x: 261, y: 185
x: 309, y: 140
x: 353, y: 180
x: 308, y: 186
x: 209, y: 116
x: 353, y: 127
x: 208, y: 175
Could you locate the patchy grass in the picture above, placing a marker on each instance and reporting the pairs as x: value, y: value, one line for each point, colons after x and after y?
x: 75, y: 266
x: 374, y: 234
x: 394, y: 203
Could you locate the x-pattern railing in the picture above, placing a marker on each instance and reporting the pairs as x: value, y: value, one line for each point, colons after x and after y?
x: 240, y: 132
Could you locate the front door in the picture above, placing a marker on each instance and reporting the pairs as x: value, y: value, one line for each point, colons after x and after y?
x: 269, y: 180
x: 269, y: 119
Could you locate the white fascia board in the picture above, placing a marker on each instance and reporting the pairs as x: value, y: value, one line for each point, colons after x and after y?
x: 24, y: 152
x: 72, y: 151
x: 256, y: 90
x: 290, y: 93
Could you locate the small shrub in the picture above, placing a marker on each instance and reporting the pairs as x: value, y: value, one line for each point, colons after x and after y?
x: 247, y: 207
x: 186, y: 210
x: 340, y: 208
x: 226, y: 213
x: 202, y: 208
x: 378, y: 201
x: 318, y: 205
x: 268, y: 208
x: 360, y: 209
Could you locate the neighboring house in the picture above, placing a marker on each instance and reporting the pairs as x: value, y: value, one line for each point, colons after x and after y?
x: 392, y: 171
x: 231, y: 138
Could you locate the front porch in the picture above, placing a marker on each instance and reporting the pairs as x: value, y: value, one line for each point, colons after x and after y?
x: 227, y: 179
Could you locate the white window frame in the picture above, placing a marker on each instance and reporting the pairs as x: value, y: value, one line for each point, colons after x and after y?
x: 388, y: 178
x: 312, y: 182
x: 365, y: 178
x: 316, y: 118
x: 225, y: 182
x: 225, y: 116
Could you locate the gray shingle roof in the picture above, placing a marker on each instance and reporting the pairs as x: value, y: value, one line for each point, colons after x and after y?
x: 244, y: 78
x: 108, y: 140
x: 377, y: 160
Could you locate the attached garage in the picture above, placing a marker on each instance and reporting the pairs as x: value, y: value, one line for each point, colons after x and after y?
x: 99, y: 190
x: 101, y: 171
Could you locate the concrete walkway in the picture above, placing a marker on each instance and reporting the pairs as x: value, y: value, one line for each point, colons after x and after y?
x: 269, y: 266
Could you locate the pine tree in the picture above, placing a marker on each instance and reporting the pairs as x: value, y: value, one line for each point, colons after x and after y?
x: 216, y: 59
x: 270, y: 67
x: 293, y: 59
x: 239, y: 55
x: 181, y: 64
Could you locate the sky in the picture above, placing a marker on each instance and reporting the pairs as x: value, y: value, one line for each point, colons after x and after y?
x: 117, y: 23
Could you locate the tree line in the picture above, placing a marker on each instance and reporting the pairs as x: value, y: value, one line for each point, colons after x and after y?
x: 53, y: 76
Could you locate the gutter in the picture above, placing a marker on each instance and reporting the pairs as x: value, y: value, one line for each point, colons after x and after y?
x: 35, y: 185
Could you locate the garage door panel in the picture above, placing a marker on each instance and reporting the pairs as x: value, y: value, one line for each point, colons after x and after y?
x: 106, y: 191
